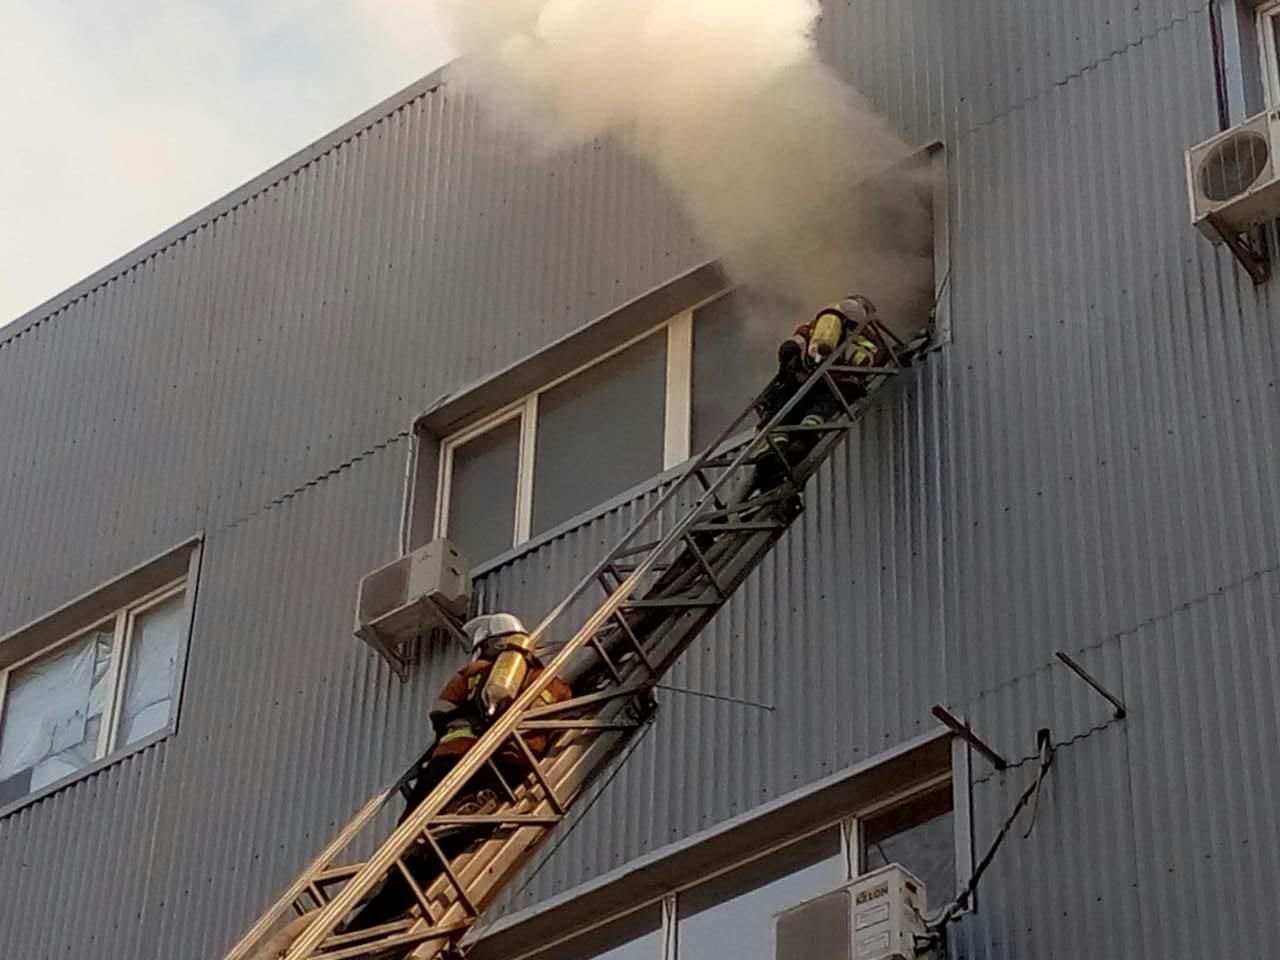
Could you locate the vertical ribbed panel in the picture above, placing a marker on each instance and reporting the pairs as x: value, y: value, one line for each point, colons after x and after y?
x: 315, y: 315
x: 1091, y: 465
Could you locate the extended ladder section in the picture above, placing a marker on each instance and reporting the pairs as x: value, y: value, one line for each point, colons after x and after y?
x: 612, y: 638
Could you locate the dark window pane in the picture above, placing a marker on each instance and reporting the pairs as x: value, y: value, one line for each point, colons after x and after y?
x: 600, y: 433
x: 634, y: 937
x: 482, y: 494
x: 734, y: 915
x: 919, y: 835
x: 735, y: 353
x: 15, y: 787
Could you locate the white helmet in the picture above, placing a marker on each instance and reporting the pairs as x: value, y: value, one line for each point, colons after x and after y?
x: 491, y: 626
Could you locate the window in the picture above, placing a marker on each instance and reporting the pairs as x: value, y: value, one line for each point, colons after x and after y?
x: 638, y: 936
x: 920, y: 835
x: 568, y: 446
x: 733, y: 916
x: 101, y: 690
x: 1269, y: 42
x: 722, y: 893
x: 735, y: 349
x: 604, y: 428
x: 734, y: 912
x: 600, y: 433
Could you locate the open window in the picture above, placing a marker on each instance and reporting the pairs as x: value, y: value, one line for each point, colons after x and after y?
x: 95, y: 680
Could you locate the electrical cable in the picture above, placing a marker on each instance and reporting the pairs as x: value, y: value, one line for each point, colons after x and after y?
x: 717, y: 696
x: 1033, y: 790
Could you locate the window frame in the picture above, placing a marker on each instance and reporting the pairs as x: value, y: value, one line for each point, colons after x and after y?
x: 121, y: 615
x: 1267, y: 25
x: 677, y: 426
x: 958, y: 774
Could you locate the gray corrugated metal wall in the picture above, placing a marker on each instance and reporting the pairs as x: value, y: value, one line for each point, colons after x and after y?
x: 1090, y: 466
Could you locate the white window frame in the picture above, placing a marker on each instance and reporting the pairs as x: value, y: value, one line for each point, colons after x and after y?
x: 1268, y: 22
x: 122, y: 628
x: 678, y: 408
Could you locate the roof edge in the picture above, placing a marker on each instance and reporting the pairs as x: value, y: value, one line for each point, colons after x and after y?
x: 206, y: 215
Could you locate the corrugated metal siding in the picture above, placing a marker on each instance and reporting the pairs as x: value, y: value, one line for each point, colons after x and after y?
x: 1090, y: 466
x: 315, y: 318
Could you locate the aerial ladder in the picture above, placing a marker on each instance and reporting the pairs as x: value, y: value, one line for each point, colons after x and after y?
x: 624, y: 626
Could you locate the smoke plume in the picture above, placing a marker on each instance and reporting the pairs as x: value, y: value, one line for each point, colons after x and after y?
x: 763, y: 144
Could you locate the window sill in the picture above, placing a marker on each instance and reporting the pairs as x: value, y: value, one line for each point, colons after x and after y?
x: 92, y: 770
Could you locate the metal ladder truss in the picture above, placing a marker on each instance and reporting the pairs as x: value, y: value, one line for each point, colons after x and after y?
x: 656, y: 589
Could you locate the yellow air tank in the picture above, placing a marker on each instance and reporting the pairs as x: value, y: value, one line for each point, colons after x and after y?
x: 828, y: 328
x: 506, y: 677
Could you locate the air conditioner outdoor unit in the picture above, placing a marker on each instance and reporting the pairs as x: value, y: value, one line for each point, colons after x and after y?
x: 877, y: 917
x: 1234, y: 178
x: 427, y: 590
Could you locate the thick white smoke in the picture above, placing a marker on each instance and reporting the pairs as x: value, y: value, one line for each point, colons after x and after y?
x: 729, y: 101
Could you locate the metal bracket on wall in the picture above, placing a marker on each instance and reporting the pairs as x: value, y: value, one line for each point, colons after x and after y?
x: 1121, y: 710
x: 965, y: 733
x: 1253, y: 258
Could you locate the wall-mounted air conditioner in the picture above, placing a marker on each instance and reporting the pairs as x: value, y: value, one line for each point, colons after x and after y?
x: 426, y: 591
x: 877, y: 917
x: 1233, y: 180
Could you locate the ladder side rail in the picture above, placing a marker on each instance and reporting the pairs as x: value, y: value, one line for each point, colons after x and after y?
x: 488, y: 871
x: 254, y: 937
x: 405, y: 835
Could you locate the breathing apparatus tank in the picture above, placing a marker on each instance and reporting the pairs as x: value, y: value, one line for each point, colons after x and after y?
x: 834, y: 322
x: 507, y: 675
x: 827, y: 330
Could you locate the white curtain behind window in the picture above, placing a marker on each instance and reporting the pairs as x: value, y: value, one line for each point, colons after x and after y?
x: 153, y: 664
x: 53, y: 711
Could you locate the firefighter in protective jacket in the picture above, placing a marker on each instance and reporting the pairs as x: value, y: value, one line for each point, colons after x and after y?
x: 503, y: 664
x: 846, y: 321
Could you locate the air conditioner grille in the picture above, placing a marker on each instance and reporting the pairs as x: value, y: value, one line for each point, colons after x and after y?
x: 1233, y: 166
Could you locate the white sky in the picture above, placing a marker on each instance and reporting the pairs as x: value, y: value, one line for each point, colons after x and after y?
x: 117, y: 120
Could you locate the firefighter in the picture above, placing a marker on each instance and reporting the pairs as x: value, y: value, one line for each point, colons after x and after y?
x: 502, y: 665
x: 846, y: 321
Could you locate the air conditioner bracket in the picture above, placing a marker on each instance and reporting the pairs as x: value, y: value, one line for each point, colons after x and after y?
x: 1252, y: 258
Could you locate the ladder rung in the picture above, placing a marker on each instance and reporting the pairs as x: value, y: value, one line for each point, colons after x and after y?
x: 375, y: 948
x: 577, y: 703
x: 865, y: 371
x: 743, y: 506
x: 677, y: 604
x: 629, y: 568
x: 493, y: 820
x: 739, y: 526
x: 554, y: 725
x: 638, y: 548
x: 369, y: 933
x: 342, y: 872
x: 829, y: 427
